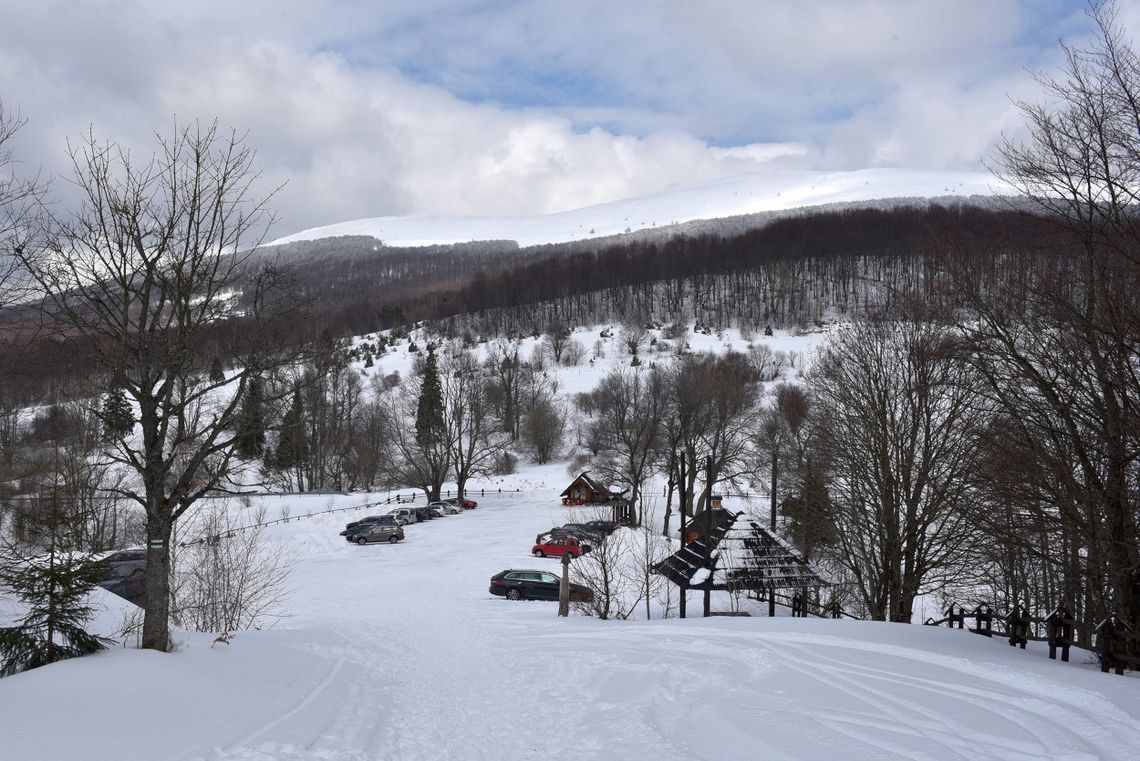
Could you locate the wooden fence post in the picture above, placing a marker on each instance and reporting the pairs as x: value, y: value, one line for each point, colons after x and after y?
x: 1059, y: 631
x: 1017, y: 624
x: 564, y: 587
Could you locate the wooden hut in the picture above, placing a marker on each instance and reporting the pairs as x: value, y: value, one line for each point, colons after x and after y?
x: 584, y: 490
x: 695, y: 528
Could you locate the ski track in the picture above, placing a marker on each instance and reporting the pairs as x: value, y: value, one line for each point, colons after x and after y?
x: 1051, y: 731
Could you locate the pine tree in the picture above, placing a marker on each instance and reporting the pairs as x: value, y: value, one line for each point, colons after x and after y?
x: 292, y: 446
x: 116, y: 414
x: 251, y: 421
x: 429, y: 411
x: 217, y: 372
x: 52, y: 583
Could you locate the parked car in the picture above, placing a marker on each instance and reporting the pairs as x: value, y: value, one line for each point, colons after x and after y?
x: 125, y: 574
x: 581, y: 534
x: 466, y: 504
x: 403, y: 515
x: 560, y: 545
x: 422, y: 513
x: 123, y: 564
x: 515, y: 584
x: 602, y: 527
x: 384, y: 520
x: 445, y: 507
x: 377, y: 532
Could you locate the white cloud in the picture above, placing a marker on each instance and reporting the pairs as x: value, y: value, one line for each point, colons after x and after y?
x: 460, y: 106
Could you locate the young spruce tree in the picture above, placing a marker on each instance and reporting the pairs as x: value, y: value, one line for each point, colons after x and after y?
x: 51, y: 582
x: 251, y: 421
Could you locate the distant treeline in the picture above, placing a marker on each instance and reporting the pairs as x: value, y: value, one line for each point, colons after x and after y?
x: 783, y: 272
x: 792, y: 271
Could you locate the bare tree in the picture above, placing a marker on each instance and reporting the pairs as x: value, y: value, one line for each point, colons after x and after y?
x: 605, y: 571
x: 137, y: 277
x: 557, y: 339
x: 650, y: 548
x: 506, y: 369
x: 897, y: 416
x: 467, y: 413
x: 544, y: 428
x: 633, y: 336
x: 20, y: 200
x: 630, y: 409
x: 712, y: 400
x: 1056, y: 335
x: 418, y: 438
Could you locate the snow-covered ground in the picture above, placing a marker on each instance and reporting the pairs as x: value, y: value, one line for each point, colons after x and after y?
x: 399, y: 652
x: 733, y: 196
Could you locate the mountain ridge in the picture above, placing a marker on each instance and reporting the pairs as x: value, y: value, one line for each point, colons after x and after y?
x: 729, y: 197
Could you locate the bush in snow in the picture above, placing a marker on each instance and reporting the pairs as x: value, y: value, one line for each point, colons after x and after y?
x: 225, y: 579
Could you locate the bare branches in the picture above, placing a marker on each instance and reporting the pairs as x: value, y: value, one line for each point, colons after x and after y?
x: 142, y: 276
x: 21, y: 205
x: 896, y: 417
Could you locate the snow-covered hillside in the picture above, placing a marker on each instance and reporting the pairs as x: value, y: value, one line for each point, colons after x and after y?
x: 747, y: 194
x: 400, y: 652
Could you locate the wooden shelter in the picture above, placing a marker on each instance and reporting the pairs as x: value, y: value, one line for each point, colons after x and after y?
x: 738, y: 555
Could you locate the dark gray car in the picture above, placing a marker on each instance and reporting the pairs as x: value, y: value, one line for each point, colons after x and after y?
x: 377, y: 532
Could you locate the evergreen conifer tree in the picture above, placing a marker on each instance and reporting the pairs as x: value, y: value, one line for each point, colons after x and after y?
x: 429, y: 411
x: 116, y: 414
x: 217, y: 372
x: 51, y: 581
x: 251, y: 421
x: 292, y: 446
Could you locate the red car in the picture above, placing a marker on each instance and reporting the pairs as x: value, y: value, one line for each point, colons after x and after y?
x: 560, y: 545
x: 466, y: 504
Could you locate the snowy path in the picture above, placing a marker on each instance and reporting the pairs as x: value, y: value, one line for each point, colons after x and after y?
x: 399, y: 652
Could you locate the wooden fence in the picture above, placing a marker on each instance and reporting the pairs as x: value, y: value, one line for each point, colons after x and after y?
x: 1117, y: 644
x: 399, y: 499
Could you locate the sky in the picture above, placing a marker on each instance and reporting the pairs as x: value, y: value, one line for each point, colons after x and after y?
x: 363, y: 108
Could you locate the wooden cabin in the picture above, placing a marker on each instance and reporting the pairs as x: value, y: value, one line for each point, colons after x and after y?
x: 695, y: 527
x: 584, y: 490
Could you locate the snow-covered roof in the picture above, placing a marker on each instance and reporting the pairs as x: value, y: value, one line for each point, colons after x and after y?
x: 740, y: 555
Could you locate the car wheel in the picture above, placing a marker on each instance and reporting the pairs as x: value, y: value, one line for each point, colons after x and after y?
x: 362, y: 541
x: 539, y: 554
x: 514, y: 594
x: 393, y: 539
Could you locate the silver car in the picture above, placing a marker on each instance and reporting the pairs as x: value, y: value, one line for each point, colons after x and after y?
x: 447, y: 508
x: 403, y: 515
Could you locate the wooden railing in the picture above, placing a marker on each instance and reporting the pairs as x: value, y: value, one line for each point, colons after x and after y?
x: 1117, y: 643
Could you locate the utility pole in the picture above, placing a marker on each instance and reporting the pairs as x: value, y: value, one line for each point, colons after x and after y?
x: 684, y: 503
x: 708, y: 534
x: 564, y: 587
